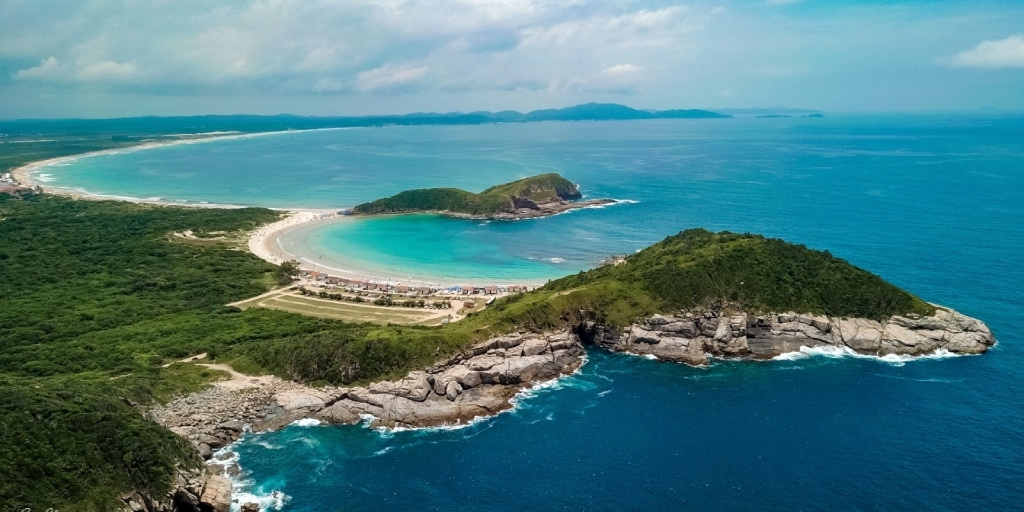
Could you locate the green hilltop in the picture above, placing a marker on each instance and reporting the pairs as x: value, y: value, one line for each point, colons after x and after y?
x: 508, y: 197
x: 698, y: 268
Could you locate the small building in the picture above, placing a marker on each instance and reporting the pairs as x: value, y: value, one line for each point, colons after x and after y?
x: 401, y: 289
x: 515, y: 288
x: 490, y: 290
x: 468, y: 290
x: 423, y: 290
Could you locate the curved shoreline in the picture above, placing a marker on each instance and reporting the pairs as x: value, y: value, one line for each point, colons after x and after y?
x: 265, y: 243
x: 25, y: 173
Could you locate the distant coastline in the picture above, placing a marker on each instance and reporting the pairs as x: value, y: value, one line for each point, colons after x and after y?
x: 27, y: 174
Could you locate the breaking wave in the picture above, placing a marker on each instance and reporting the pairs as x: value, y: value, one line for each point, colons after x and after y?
x: 834, y: 352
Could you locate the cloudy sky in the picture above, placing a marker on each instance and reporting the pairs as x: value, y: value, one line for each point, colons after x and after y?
x: 104, y: 58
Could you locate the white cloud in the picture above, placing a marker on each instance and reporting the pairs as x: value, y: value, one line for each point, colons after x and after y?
x: 109, y: 71
x: 393, y: 79
x: 1004, y: 53
x: 52, y: 70
x: 617, y: 79
x: 48, y: 69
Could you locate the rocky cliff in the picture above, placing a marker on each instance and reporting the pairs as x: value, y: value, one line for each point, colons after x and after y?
x: 692, y: 336
x: 477, y: 383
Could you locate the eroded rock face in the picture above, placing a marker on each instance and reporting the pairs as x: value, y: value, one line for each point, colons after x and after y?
x: 478, y: 382
x: 217, y: 494
x: 693, y: 336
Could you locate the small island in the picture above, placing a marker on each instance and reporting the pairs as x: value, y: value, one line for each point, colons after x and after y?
x: 537, y: 196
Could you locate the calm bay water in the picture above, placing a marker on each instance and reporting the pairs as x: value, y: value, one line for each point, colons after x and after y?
x: 932, y: 204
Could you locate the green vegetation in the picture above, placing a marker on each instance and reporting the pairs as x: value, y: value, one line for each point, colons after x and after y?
x: 698, y: 267
x: 502, y: 198
x: 350, y: 308
x: 74, y: 442
x: 96, y: 296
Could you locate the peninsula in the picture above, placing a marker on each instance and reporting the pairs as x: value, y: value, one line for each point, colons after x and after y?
x: 537, y: 196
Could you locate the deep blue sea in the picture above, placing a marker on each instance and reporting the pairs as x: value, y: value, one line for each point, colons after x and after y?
x: 934, y: 204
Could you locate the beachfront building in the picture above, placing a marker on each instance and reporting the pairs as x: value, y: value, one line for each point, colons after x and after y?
x: 490, y: 290
x: 468, y: 290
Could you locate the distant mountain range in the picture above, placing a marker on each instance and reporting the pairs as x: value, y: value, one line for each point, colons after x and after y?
x: 144, y: 126
x: 772, y: 111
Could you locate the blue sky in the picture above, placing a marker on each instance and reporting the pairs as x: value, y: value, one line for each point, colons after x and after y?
x: 105, y: 58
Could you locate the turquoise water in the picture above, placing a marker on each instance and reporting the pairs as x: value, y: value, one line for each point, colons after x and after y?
x: 429, y: 248
x: 930, y: 203
x: 782, y: 177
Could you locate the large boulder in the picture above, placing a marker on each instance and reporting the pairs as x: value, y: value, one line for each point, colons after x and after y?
x: 414, y: 386
x: 302, y: 399
x: 217, y: 494
x: 535, y: 347
x: 860, y: 334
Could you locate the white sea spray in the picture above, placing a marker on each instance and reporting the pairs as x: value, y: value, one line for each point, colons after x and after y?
x: 834, y: 352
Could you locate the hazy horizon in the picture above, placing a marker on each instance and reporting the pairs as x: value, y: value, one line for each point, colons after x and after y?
x: 109, y: 59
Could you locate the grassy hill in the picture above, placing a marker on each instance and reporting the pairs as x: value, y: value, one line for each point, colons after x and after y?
x: 697, y: 268
x: 501, y: 198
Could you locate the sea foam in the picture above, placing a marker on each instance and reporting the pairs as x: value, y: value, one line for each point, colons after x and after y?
x: 834, y: 352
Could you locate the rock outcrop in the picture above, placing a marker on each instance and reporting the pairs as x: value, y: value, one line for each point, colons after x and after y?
x: 693, y: 336
x: 196, y: 490
x: 530, y: 210
x: 477, y: 383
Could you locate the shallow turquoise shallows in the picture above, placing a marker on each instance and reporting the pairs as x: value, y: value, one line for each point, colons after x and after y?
x: 933, y: 204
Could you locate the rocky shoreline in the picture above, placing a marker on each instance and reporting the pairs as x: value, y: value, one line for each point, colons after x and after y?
x: 479, y: 382
x: 694, y: 336
x: 533, y: 211
x: 482, y: 380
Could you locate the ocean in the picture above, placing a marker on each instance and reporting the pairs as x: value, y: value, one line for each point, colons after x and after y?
x: 930, y: 203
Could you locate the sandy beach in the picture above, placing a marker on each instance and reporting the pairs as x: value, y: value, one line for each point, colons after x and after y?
x: 265, y: 243
x: 24, y: 174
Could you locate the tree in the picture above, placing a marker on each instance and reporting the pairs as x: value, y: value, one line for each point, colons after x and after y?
x: 287, y: 272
